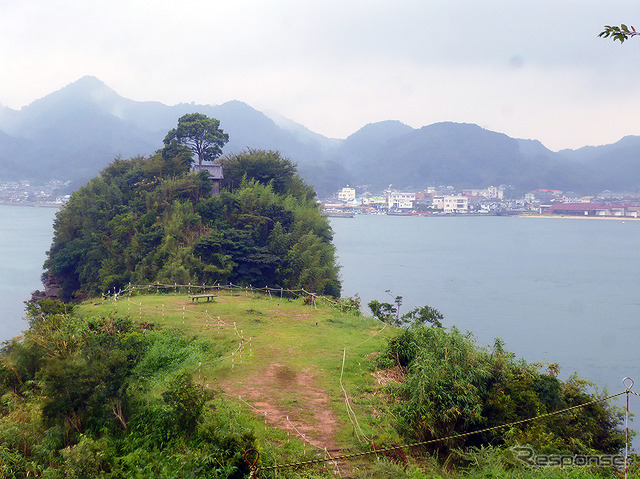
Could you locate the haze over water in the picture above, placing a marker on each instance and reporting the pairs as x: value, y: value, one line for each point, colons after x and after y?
x: 556, y: 290
x: 25, y: 237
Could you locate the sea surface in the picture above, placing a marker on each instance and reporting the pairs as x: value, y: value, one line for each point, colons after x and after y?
x: 565, y: 291
x: 25, y: 237
x: 556, y: 290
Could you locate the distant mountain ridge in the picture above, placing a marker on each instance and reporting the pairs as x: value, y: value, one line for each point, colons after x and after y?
x: 73, y: 133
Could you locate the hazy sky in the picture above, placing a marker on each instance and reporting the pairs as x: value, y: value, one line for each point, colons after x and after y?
x: 530, y: 69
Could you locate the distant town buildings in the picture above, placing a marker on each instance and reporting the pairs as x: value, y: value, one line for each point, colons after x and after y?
x: 491, y: 192
x: 445, y: 200
x: 25, y: 193
x: 440, y: 200
x: 594, y: 209
x: 400, y: 201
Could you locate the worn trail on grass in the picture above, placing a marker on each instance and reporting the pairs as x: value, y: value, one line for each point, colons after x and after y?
x: 284, y: 393
x: 289, y: 395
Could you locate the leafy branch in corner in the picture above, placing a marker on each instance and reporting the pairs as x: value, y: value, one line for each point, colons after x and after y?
x: 621, y: 33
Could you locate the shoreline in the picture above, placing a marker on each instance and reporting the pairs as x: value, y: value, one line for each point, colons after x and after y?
x: 34, y: 204
x: 577, y: 217
x: 487, y: 215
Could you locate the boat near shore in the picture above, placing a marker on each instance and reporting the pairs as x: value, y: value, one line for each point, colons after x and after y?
x: 338, y: 214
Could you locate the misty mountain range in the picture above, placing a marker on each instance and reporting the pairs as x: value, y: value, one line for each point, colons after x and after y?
x: 73, y: 133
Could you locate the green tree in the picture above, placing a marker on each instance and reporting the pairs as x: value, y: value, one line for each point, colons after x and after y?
x: 265, y: 166
x: 201, y: 134
x: 385, y: 312
x: 186, y: 400
x: 422, y: 315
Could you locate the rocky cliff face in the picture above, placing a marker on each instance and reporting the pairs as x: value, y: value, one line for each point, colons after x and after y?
x: 52, y: 289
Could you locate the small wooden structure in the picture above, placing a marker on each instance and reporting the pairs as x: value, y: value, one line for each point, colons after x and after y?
x: 215, y: 172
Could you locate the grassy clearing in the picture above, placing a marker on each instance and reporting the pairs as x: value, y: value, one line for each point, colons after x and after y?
x: 307, y: 343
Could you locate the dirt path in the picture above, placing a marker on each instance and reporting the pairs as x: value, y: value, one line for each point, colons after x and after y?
x: 292, y: 403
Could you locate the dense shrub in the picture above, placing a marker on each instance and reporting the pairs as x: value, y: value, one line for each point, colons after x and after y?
x: 100, y: 398
x: 452, y: 386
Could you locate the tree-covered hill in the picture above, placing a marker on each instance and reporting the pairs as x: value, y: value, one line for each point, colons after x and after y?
x: 144, y: 220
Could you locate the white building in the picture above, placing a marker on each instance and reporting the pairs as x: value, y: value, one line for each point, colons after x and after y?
x: 455, y: 204
x: 493, y: 192
x: 496, y: 192
x: 402, y: 201
x: 347, y: 195
x: 374, y: 201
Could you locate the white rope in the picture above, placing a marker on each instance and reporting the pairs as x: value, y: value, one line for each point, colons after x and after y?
x: 224, y: 358
x: 350, y: 412
x: 304, y: 436
x: 220, y: 321
x: 370, y: 338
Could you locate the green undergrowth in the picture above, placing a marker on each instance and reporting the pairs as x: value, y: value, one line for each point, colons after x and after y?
x: 159, y: 386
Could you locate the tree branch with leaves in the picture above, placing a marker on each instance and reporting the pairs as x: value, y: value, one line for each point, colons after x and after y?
x: 621, y: 33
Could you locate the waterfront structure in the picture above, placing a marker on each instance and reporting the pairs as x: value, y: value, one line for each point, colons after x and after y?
x: 438, y: 202
x: 374, y: 201
x: 400, y: 201
x: 594, y: 209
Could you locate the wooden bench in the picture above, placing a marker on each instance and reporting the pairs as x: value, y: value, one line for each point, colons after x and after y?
x: 209, y: 297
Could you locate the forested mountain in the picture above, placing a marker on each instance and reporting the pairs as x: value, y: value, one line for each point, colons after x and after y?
x: 615, y: 167
x: 462, y: 155
x: 73, y: 133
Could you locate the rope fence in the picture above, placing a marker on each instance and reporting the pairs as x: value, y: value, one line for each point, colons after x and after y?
x: 205, y: 288
x: 257, y: 469
x: 192, y: 289
x: 362, y: 437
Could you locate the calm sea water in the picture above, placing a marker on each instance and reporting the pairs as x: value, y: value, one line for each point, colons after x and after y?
x: 25, y: 237
x: 555, y: 290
